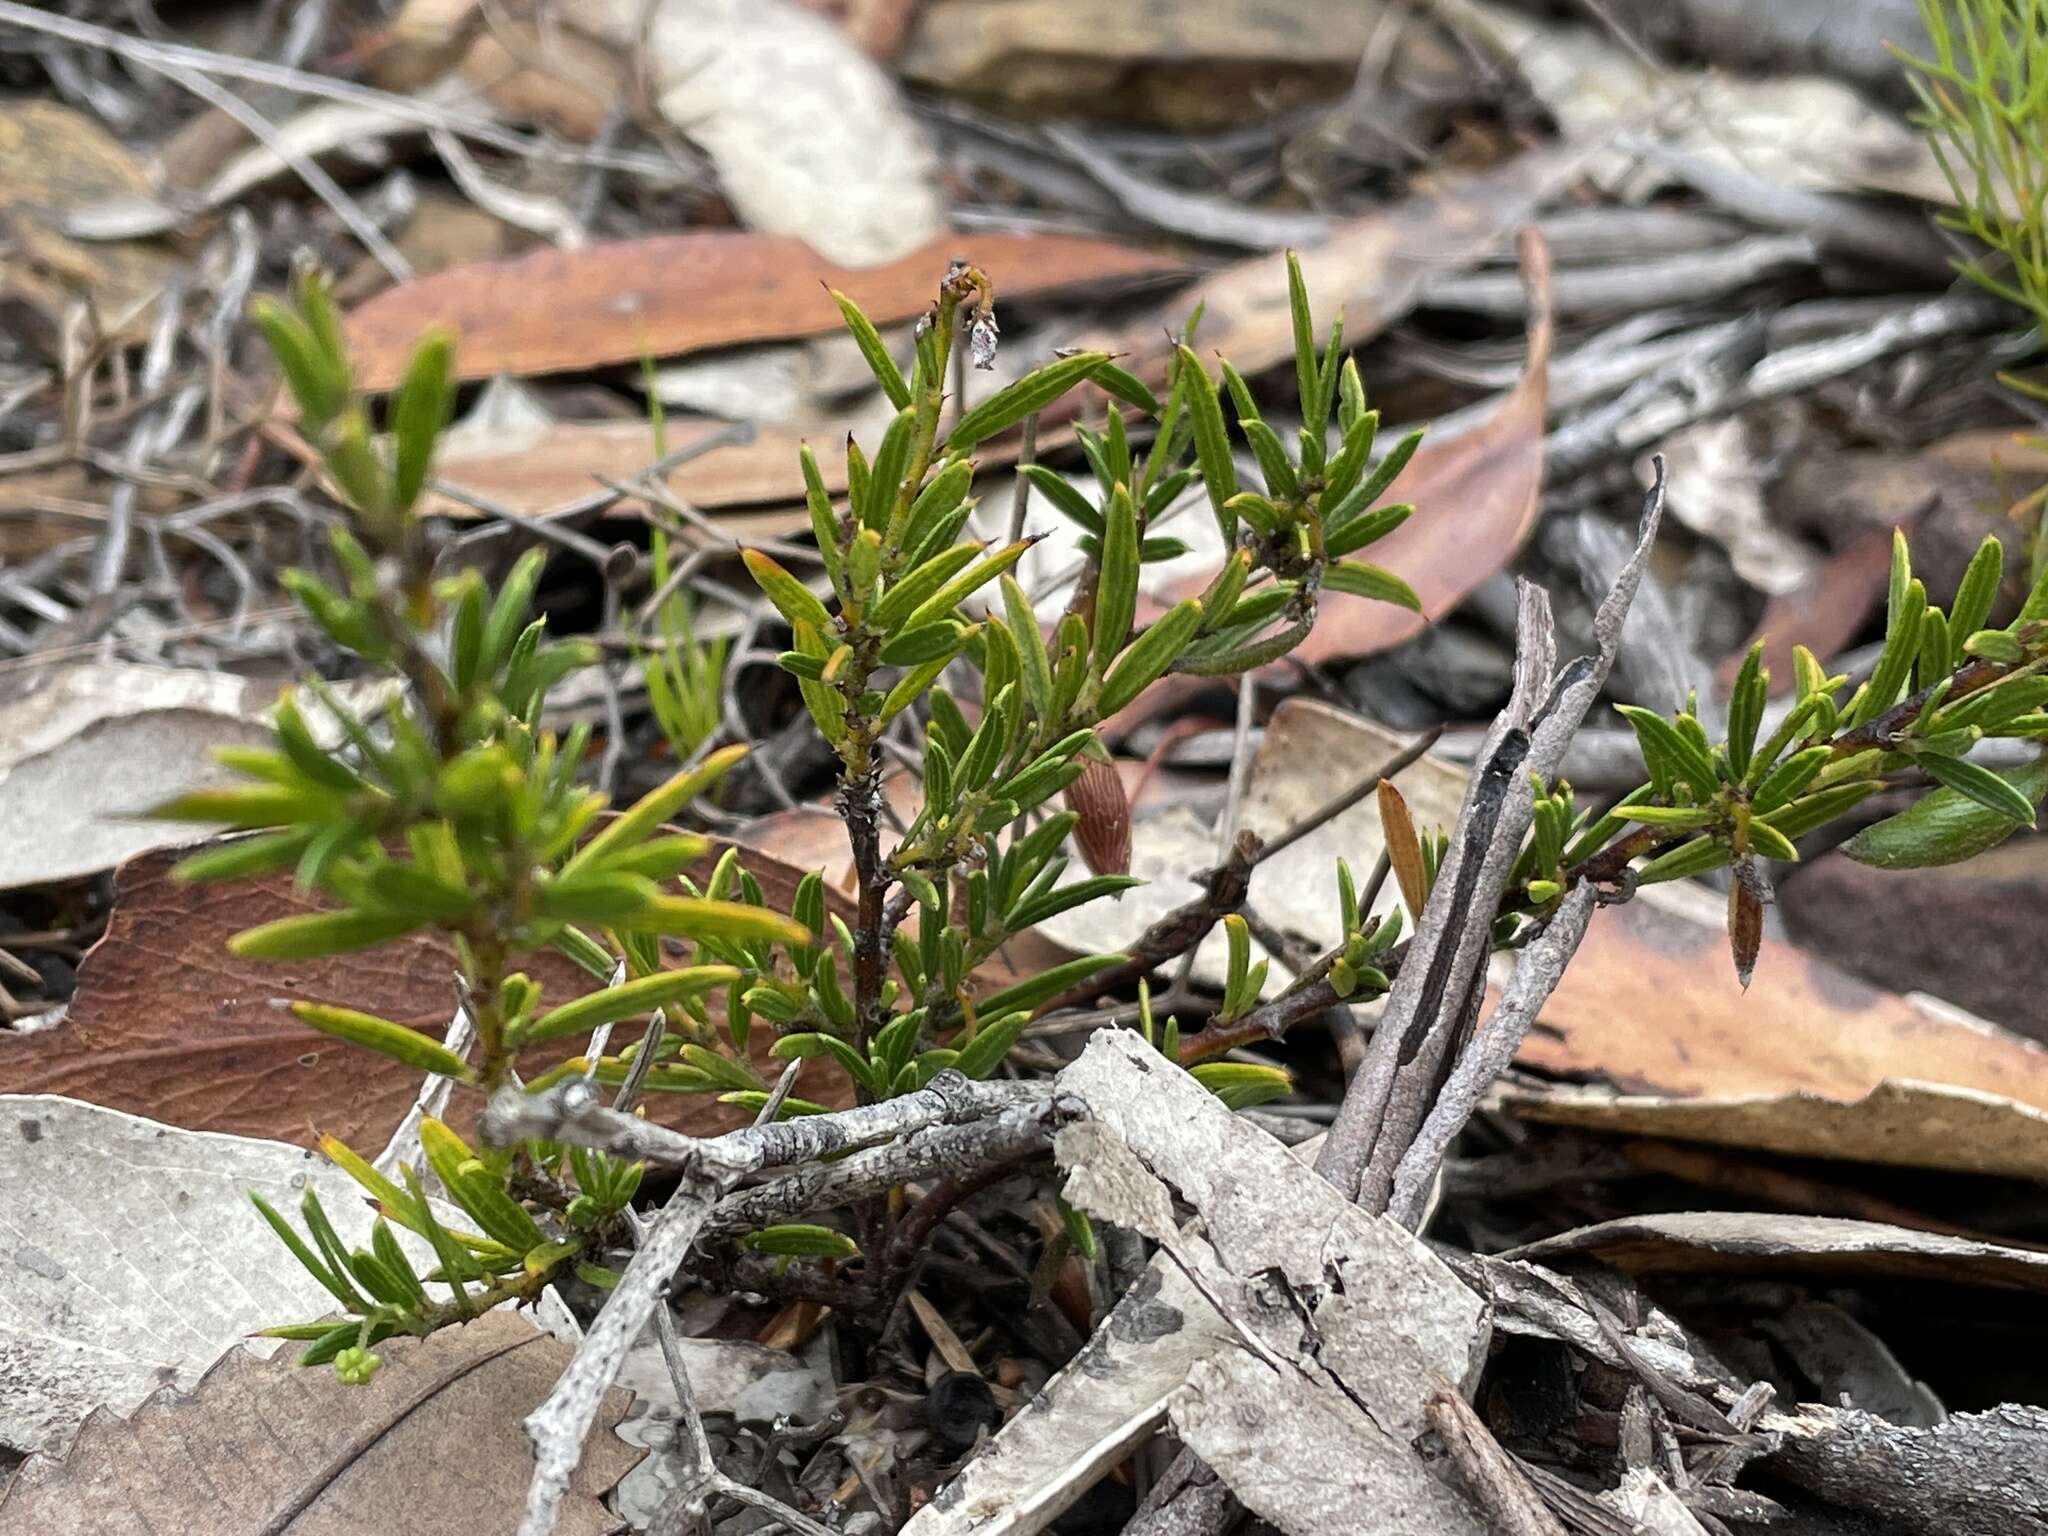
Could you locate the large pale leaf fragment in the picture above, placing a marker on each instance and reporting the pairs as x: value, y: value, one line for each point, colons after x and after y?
x: 432, y: 1443
x: 1391, y: 1316
x: 809, y: 136
x: 132, y: 1257
x: 90, y: 745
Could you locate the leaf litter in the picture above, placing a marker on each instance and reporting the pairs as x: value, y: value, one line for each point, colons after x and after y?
x: 1676, y: 324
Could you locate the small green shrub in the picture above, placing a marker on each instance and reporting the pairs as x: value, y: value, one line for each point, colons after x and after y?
x: 467, y: 818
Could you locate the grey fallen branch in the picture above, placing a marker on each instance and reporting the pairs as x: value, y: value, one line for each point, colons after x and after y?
x: 573, y: 1112
x: 1009, y: 1135
x: 1418, y: 1037
x: 1537, y: 972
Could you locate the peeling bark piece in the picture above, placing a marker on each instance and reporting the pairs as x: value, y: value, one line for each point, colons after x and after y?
x: 431, y: 1443
x: 1531, y: 1300
x: 1107, y: 1400
x: 1650, y: 1505
x: 1295, y: 1458
x: 1391, y: 1316
x: 1979, y: 1474
x: 1903, y: 1123
x: 1723, y: 1242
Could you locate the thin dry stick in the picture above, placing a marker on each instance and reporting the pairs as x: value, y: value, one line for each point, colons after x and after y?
x: 322, y: 185
x: 1491, y: 1475
x: 1537, y: 972
x: 702, y: 1480
x: 163, y: 56
x: 1020, y: 495
x: 572, y: 1112
x: 1391, y: 1093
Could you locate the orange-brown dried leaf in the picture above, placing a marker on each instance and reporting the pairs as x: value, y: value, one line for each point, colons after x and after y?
x: 665, y: 295
x: 1404, y: 848
x: 167, y: 1024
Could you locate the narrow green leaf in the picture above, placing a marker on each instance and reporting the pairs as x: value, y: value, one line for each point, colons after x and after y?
x: 312, y: 1265
x: 825, y: 528
x: 991, y: 1043
x: 1362, y: 580
x: 940, y: 497
x: 1988, y: 789
x: 1978, y: 589
x: 1150, y: 655
x: 1946, y: 826
x: 1242, y: 1084
x: 1212, y: 445
x: 1127, y: 387
x: 1369, y: 490
x: 634, y: 825
x: 1116, y: 601
x: 1046, y: 985
x: 409, y: 1046
x: 321, y: 933
x: 1784, y: 783
x: 419, y: 411
x: 795, y: 601
x: 872, y: 351
x: 1036, y: 666
x: 1746, y: 709
x: 610, y: 1004
x: 1010, y: 405
x: 1307, y: 375
x: 1282, y: 484
x: 885, y: 478
x: 1343, y: 471
x: 911, y: 591
x: 963, y: 586
x: 693, y: 917
x: 1367, y: 528
x: 802, y: 1240
x: 927, y: 642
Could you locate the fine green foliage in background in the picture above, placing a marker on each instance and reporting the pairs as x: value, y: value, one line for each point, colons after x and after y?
x: 463, y: 815
x: 1983, y: 90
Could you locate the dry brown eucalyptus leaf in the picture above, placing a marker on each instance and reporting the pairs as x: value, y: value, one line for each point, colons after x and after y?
x: 267, y: 1448
x: 667, y: 295
x: 168, y: 1024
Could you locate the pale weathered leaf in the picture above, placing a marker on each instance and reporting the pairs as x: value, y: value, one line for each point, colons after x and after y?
x: 1741, y: 1242
x: 93, y: 744
x: 1309, y: 1461
x: 55, y: 160
x: 134, y: 1258
x: 809, y: 136
x: 432, y: 1443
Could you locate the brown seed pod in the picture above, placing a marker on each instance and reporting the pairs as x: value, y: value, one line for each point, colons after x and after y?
x: 1746, y: 897
x: 1103, y: 834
